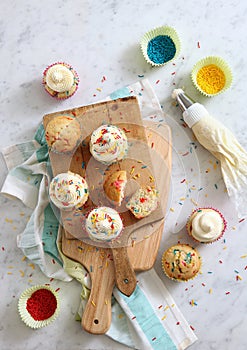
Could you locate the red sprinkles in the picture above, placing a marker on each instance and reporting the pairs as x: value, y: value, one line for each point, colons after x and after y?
x: 42, y: 304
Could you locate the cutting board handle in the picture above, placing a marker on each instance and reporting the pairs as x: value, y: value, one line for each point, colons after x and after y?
x: 124, y: 272
x: 96, y: 317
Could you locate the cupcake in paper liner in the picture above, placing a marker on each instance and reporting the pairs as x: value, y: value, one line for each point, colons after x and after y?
x: 160, y: 45
x: 181, y: 262
x: 60, y: 80
x: 38, y: 306
x: 63, y: 134
x: 206, y: 225
x: 211, y: 76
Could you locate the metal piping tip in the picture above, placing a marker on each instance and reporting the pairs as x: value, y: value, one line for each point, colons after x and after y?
x: 183, y: 100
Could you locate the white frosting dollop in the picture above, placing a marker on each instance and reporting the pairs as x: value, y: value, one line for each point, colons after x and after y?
x: 108, y: 144
x: 207, y: 225
x: 68, y: 191
x: 103, y: 224
x: 59, y: 78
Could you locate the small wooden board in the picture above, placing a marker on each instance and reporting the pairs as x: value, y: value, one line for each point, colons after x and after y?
x: 142, y: 251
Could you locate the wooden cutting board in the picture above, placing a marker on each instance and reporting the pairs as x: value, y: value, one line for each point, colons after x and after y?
x: 142, y: 253
x: 99, y: 261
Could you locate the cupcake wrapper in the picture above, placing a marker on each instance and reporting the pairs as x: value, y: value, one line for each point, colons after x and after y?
x: 164, y: 30
x: 220, y: 63
x: 72, y: 151
x: 215, y: 240
x: 25, y: 315
x: 179, y: 279
x: 76, y: 81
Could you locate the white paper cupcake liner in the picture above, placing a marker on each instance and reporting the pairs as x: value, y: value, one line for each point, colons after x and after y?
x: 26, y: 316
x: 164, y: 30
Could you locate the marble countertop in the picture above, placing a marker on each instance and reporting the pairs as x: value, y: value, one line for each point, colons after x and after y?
x: 101, y: 39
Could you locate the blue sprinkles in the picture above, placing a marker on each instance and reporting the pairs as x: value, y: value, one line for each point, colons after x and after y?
x: 161, y: 49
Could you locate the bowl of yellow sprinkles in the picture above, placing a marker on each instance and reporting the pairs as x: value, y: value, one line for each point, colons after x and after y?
x: 211, y: 75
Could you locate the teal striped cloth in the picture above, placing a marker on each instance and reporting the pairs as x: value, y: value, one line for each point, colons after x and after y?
x: 138, y: 321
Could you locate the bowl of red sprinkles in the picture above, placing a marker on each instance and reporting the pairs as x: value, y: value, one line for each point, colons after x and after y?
x: 38, y: 306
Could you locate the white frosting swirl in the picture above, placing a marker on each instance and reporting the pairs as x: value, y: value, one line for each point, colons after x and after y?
x: 207, y: 225
x: 103, y: 224
x: 68, y: 191
x: 59, y: 78
x: 108, y: 144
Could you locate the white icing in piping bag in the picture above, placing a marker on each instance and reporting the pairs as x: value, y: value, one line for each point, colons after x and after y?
x: 221, y: 142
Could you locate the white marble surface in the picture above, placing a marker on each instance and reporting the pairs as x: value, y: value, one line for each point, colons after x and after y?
x: 101, y: 38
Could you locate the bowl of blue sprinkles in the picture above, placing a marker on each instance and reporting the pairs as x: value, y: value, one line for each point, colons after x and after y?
x: 160, y: 45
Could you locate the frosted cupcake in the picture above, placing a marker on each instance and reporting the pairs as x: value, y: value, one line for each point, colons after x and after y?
x: 143, y: 202
x: 103, y: 224
x: 63, y: 133
x: 68, y: 191
x: 181, y: 262
x: 38, y: 306
x: 60, y: 80
x: 108, y: 144
x: 206, y: 225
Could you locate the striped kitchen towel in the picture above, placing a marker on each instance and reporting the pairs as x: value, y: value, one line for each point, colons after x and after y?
x: 149, y: 318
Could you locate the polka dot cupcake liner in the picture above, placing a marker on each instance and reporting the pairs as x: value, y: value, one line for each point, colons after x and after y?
x: 224, y: 222
x: 61, y: 94
x: 38, y: 306
x: 160, y: 45
x: 211, y: 76
x: 168, y: 270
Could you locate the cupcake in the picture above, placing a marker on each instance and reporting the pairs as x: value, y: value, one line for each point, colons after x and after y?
x: 108, y: 144
x: 211, y: 76
x: 181, y: 262
x: 206, y: 225
x: 63, y: 133
x: 38, y: 306
x: 160, y: 45
x: 60, y: 80
x: 103, y: 224
x: 114, y: 186
x: 143, y: 202
x: 68, y: 191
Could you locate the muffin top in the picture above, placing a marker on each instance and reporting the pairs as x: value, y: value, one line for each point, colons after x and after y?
x: 206, y: 225
x: 63, y: 133
x: 181, y: 262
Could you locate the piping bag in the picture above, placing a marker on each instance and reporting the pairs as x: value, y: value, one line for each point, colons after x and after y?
x: 221, y: 142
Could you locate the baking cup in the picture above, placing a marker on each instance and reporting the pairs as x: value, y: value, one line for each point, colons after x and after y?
x: 212, y: 241
x: 220, y: 63
x: 66, y: 94
x: 164, y: 30
x: 180, y: 279
x: 26, y: 316
x: 62, y: 136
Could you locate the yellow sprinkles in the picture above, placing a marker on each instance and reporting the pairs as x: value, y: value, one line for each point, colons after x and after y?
x: 211, y: 79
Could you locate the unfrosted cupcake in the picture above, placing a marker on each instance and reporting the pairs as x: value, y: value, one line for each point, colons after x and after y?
x: 108, y: 144
x: 63, y: 133
x: 60, y: 80
x: 206, y: 225
x: 103, y: 224
x: 143, y: 202
x: 181, y: 262
x: 38, y: 306
x: 68, y: 191
x: 114, y: 186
